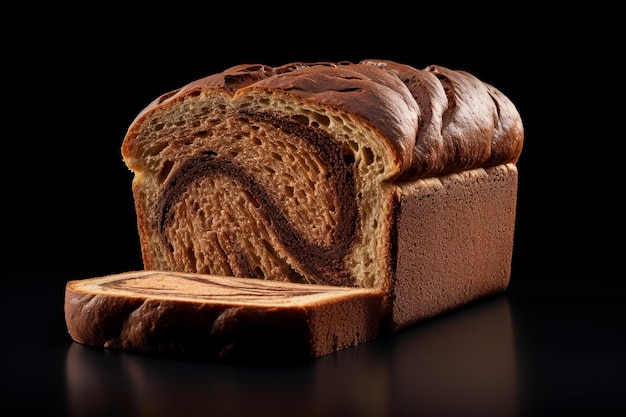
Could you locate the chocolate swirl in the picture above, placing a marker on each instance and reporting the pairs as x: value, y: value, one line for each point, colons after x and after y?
x: 316, y: 260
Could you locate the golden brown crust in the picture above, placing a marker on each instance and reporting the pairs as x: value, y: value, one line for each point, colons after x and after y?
x: 438, y: 120
x: 464, y: 122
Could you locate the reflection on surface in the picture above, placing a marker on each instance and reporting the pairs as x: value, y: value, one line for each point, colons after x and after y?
x: 462, y: 363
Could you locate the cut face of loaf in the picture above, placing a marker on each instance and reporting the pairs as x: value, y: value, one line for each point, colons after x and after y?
x: 297, y: 172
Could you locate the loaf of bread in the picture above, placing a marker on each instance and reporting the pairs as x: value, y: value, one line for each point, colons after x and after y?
x: 372, y: 175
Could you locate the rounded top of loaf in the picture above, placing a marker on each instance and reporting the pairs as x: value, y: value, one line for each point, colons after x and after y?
x: 434, y: 120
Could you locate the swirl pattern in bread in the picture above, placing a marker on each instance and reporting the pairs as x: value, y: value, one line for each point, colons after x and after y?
x: 294, y: 172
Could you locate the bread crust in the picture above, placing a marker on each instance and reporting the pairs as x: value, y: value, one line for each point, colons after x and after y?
x: 437, y: 120
x: 453, y: 243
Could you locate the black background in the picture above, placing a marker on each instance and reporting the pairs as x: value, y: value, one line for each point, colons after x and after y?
x: 79, y: 83
x: 75, y: 80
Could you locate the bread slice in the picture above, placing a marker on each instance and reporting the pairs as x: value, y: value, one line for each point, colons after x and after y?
x: 225, y: 318
x: 373, y: 176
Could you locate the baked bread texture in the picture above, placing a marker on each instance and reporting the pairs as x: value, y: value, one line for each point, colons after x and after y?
x: 369, y: 176
x: 232, y: 319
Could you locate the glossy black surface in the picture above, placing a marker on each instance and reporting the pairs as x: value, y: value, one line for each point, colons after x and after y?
x: 530, y: 351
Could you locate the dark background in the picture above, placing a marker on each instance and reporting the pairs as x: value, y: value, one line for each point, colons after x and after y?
x: 77, y: 86
x: 75, y: 80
